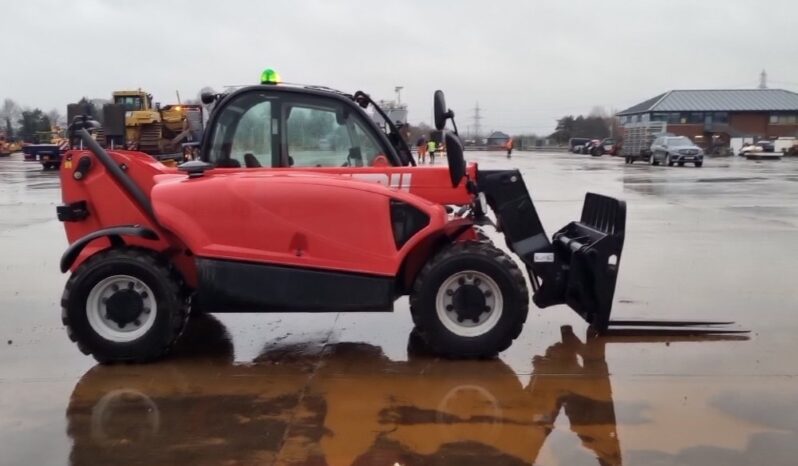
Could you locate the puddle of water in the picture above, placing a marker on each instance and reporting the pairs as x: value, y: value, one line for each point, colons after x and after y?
x: 352, y: 405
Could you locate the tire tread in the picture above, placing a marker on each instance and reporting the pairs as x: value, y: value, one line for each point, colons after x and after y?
x: 175, y: 286
x: 473, y: 248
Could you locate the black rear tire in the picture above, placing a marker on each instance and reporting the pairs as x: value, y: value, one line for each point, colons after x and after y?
x: 480, y: 260
x: 168, y: 294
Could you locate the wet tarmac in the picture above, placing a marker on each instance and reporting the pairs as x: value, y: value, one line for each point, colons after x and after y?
x: 714, y: 243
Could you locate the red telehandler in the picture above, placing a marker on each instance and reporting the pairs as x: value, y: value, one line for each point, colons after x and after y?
x: 301, y: 203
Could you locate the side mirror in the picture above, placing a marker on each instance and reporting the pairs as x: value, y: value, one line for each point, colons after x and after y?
x: 454, y: 153
x: 208, y: 98
x: 441, y: 113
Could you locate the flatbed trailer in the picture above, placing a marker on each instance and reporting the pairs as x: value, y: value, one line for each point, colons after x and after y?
x: 637, y: 139
x: 49, y: 155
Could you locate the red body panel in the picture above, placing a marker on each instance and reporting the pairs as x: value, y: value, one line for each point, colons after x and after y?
x: 291, y: 218
x: 430, y: 183
x: 109, y: 205
x: 327, y: 218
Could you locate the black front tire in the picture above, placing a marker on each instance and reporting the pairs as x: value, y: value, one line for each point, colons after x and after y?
x: 699, y: 164
x: 485, y: 259
x: 169, y: 294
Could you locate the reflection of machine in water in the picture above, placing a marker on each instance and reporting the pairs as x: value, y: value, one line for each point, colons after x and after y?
x: 351, y: 406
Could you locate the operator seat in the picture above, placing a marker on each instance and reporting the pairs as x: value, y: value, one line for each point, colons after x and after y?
x: 250, y: 161
x: 226, y: 160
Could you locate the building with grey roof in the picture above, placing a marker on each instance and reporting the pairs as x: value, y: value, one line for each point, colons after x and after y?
x: 713, y: 116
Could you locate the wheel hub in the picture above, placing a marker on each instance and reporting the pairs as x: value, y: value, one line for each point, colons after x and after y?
x: 121, y: 308
x: 124, y: 307
x: 469, y: 303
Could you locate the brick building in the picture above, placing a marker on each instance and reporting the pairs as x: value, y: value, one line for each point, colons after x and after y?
x: 714, y: 116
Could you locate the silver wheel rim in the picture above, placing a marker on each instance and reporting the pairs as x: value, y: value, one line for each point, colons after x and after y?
x: 97, y: 310
x: 444, y: 304
x: 487, y: 401
x: 125, y: 400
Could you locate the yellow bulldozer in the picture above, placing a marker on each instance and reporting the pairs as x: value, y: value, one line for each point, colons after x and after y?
x: 154, y: 129
x: 5, y: 146
x: 8, y: 146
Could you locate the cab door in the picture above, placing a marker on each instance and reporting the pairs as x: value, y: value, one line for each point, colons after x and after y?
x: 245, y: 132
x: 294, y: 128
x: 319, y: 132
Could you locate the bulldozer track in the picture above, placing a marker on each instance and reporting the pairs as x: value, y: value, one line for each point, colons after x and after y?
x: 150, y: 138
x: 99, y: 135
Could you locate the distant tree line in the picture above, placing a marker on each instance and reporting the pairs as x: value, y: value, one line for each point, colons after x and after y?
x: 598, y: 124
x: 594, y: 127
x: 22, y: 123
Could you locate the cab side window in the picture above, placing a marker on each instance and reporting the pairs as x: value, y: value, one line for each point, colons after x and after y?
x: 324, y: 133
x: 243, y: 133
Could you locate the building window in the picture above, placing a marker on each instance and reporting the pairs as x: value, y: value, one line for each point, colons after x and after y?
x: 675, y: 118
x: 783, y: 119
x: 695, y: 117
x: 659, y: 116
x: 720, y: 117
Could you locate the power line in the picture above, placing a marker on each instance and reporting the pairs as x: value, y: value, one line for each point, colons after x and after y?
x: 476, y: 118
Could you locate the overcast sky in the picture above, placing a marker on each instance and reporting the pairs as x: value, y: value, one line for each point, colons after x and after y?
x: 526, y: 62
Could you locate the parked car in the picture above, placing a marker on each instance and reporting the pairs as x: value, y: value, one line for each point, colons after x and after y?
x: 767, y: 145
x: 590, y: 146
x: 763, y: 145
x: 605, y: 146
x: 676, y: 149
x: 576, y: 145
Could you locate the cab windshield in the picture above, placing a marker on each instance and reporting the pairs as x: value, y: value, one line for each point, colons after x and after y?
x: 130, y: 102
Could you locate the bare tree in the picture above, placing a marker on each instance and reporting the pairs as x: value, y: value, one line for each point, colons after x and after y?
x: 9, y: 114
x: 598, y: 111
x: 55, y: 117
x: 9, y: 109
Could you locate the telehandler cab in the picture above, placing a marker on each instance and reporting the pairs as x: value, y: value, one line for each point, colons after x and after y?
x: 300, y: 203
